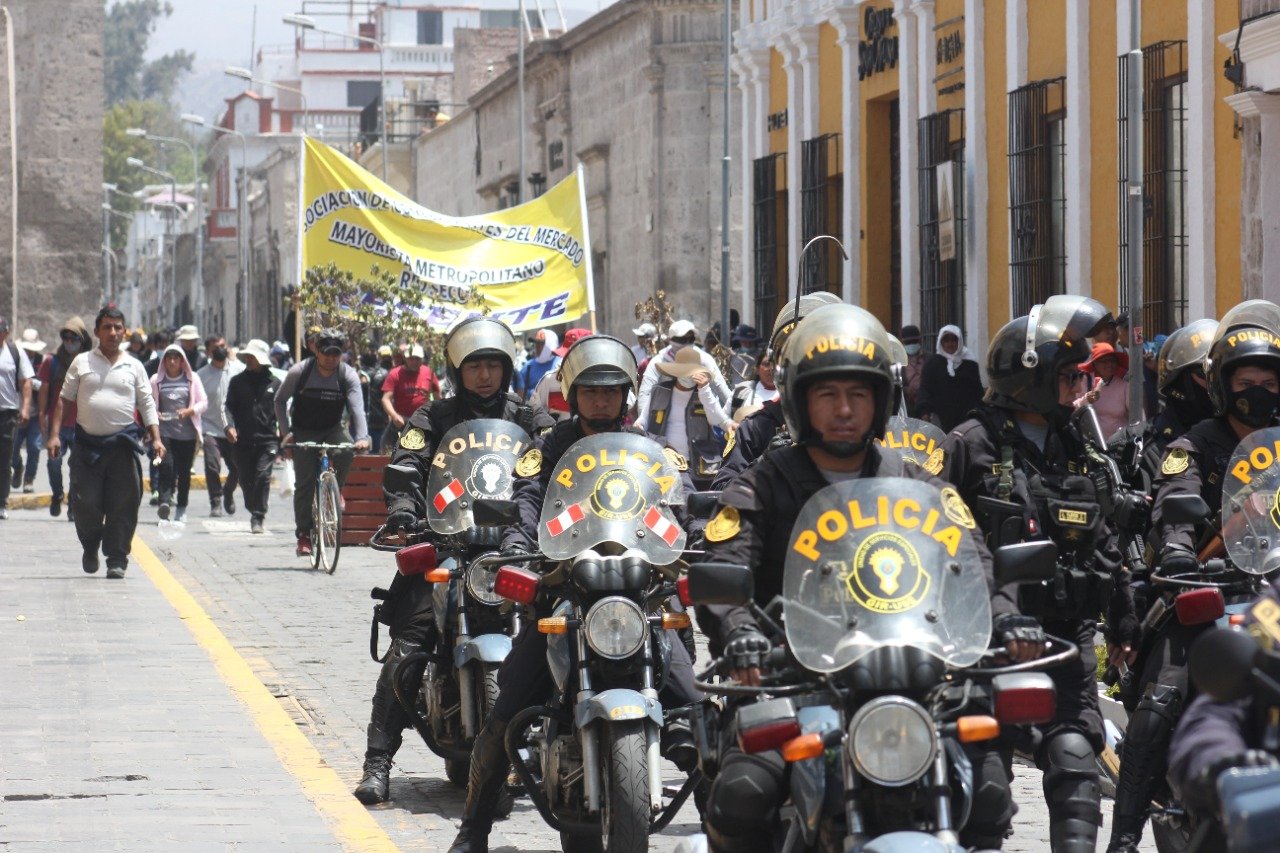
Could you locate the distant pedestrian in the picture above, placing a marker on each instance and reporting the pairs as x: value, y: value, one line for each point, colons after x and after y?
x: 75, y: 340
x: 251, y: 427
x: 180, y: 403
x: 15, y: 405
x: 28, y: 436
x: 156, y: 343
x: 950, y: 384
x: 914, y: 370
x: 1108, y: 393
x: 682, y: 334
x: 108, y: 387
x: 404, y: 389
x: 215, y: 377
x: 646, y: 341
x: 754, y: 393
x: 544, y: 359
x: 373, y: 397
x: 548, y: 394
x: 188, y: 338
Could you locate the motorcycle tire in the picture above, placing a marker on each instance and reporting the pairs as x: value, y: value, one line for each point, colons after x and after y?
x: 506, y: 794
x: 625, y: 817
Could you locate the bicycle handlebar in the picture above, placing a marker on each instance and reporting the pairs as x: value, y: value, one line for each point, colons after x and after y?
x: 320, y: 445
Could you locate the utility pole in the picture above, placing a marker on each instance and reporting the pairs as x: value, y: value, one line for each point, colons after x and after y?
x: 1134, y: 207
x: 520, y: 106
x: 725, y: 332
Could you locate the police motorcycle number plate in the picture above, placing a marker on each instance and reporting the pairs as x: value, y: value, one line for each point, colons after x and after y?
x: 1251, y: 500
x: 475, y: 459
x: 917, y: 442
x: 884, y: 562
x: 613, y: 488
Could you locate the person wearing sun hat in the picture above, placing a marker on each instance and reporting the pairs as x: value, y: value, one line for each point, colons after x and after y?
x: 682, y: 334
x: 251, y: 427
x: 1109, y: 392
x: 683, y: 411
x: 188, y: 337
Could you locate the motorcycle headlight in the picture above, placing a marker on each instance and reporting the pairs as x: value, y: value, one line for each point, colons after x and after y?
x: 480, y: 584
x: 892, y: 741
x: 615, y: 627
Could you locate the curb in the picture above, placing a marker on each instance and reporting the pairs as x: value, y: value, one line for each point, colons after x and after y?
x: 42, y: 500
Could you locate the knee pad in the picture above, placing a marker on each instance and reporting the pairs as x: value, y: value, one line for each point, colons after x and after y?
x: 744, y: 800
x: 992, y: 810
x: 1071, y: 785
x: 1163, y: 701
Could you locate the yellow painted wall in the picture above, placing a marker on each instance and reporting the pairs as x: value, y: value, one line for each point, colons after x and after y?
x: 1047, y: 39
x: 993, y: 71
x: 1163, y: 20
x: 830, y: 83
x: 777, y: 101
x: 949, y: 18
x: 875, y: 94
x: 1104, y: 173
x: 1229, y: 171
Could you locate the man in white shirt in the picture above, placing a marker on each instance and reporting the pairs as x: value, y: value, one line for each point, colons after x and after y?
x: 682, y: 334
x: 108, y: 387
x: 15, y: 406
x: 215, y: 376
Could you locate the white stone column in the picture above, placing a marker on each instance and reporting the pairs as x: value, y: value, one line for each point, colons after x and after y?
x: 846, y: 19
x: 1015, y: 44
x: 1267, y: 109
x: 1078, y: 153
x: 791, y: 66
x: 927, y: 56
x: 1202, y: 74
x: 977, y: 192
x: 908, y: 160
x: 752, y: 72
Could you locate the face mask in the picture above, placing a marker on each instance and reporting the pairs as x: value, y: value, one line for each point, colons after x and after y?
x: 676, y: 346
x: 1255, y: 406
x: 912, y: 349
x: 685, y: 384
x: 72, y: 346
x: 220, y: 353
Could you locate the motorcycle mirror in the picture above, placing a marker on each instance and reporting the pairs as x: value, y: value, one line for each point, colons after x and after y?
x: 491, y: 512
x: 1026, y: 562
x: 701, y: 504
x: 1184, y: 509
x: 401, y: 478
x: 1221, y: 662
x: 720, y: 583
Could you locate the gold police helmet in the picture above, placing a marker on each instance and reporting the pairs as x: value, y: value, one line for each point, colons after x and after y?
x: 477, y: 337
x: 785, y: 322
x: 597, y: 360
x: 1183, y: 349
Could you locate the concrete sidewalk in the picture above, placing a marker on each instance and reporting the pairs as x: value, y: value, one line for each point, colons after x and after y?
x: 128, y: 722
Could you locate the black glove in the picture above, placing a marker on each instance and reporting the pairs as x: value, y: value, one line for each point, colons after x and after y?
x: 513, y: 550
x: 1205, y: 786
x: 1126, y: 632
x: 1014, y: 627
x: 746, y: 649
x: 401, y: 519
x: 1178, y: 562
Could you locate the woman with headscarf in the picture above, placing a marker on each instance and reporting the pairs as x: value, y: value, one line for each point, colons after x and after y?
x: 180, y: 401
x: 950, y: 384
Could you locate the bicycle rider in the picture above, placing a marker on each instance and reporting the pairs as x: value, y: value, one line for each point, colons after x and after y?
x: 322, y: 389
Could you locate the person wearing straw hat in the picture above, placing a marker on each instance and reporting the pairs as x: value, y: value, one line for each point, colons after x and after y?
x: 251, y: 427
x: 28, y: 434
x: 682, y: 409
x: 682, y: 334
x: 1109, y: 393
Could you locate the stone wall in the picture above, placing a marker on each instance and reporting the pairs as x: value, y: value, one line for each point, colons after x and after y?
x: 479, y: 56
x: 1251, y: 207
x: 58, y: 79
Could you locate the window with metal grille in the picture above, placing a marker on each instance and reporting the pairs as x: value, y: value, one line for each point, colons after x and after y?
x: 1164, y: 181
x: 769, y: 205
x: 821, y: 193
x: 941, y: 223
x: 1037, y: 193
x: 895, y: 218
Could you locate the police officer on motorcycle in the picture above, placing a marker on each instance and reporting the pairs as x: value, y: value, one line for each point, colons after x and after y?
x: 1243, y: 378
x: 479, y: 361
x: 1021, y: 467
x: 836, y: 382
x: 596, y: 375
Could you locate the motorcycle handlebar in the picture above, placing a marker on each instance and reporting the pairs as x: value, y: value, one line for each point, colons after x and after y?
x: 1067, y: 652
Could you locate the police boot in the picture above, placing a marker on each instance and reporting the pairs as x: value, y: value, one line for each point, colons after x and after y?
x: 1073, y: 793
x: 1143, y: 761
x: 488, y: 775
x: 386, y: 722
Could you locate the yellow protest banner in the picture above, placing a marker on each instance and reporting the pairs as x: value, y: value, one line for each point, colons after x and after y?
x: 530, y: 264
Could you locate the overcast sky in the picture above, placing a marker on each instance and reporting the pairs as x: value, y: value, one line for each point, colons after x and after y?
x: 222, y: 30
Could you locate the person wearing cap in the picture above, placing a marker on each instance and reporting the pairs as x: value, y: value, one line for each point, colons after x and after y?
x: 108, y: 388
x: 1109, y: 394
x: 544, y: 361
x: 15, y: 404
x: 373, y: 398
x: 548, y: 395
x: 405, y: 389
x: 646, y: 341
x: 322, y: 389
x: 251, y: 430
x: 75, y: 340
x: 28, y: 435
x: 682, y: 334
x: 216, y: 377
x: 189, y: 339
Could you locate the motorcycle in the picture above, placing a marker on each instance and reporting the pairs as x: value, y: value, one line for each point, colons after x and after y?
x: 449, y: 691
x: 886, y: 619
x: 608, y: 539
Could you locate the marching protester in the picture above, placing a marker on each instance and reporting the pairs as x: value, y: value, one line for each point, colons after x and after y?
x: 683, y: 410
x: 180, y: 403
x: 15, y: 406
x: 646, y: 341
x: 405, y: 389
x: 28, y: 436
x: 682, y: 334
x: 188, y: 338
x: 911, y: 342
x: 950, y: 384
x: 251, y: 428
x: 75, y: 339
x: 754, y: 393
x: 379, y: 368
x: 215, y: 377
x: 1109, y: 391
x: 548, y: 394
x: 108, y: 387
x: 544, y: 360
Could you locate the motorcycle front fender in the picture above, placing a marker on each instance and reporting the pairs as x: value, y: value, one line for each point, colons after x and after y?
x: 486, y: 648
x: 809, y: 777
x: 615, y: 706
x: 910, y: 842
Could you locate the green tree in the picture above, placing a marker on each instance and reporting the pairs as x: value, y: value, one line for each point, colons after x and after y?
x: 118, y: 147
x: 127, y: 75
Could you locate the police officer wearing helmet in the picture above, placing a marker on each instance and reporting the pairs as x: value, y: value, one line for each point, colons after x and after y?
x: 479, y: 355
x: 835, y: 401
x: 596, y: 376
x: 753, y: 436
x: 1242, y: 370
x: 1021, y: 466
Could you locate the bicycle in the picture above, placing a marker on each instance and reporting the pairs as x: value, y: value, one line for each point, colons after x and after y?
x: 326, y: 507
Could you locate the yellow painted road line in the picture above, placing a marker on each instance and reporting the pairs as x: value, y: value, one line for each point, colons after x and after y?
x: 351, y: 823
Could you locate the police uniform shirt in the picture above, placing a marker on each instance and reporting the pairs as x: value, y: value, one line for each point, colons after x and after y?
x: 1194, y: 464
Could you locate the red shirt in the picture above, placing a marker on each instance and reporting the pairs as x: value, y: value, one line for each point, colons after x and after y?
x: 410, y: 390
x: 55, y: 389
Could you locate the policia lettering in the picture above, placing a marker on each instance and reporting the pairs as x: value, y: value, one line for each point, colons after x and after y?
x: 459, y: 445
x: 903, y: 513
x: 604, y: 458
x: 1260, y: 459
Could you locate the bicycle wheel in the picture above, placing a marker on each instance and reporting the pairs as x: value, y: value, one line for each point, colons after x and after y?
x: 317, y: 507
x: 331, y: 524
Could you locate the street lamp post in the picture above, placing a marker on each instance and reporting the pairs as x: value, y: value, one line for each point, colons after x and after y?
x: 307, y: 23
x: 195, y: 173
x: 247, y: 75
x: 173, y: 198
x: 245, y: 287
x: 109, y: 256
